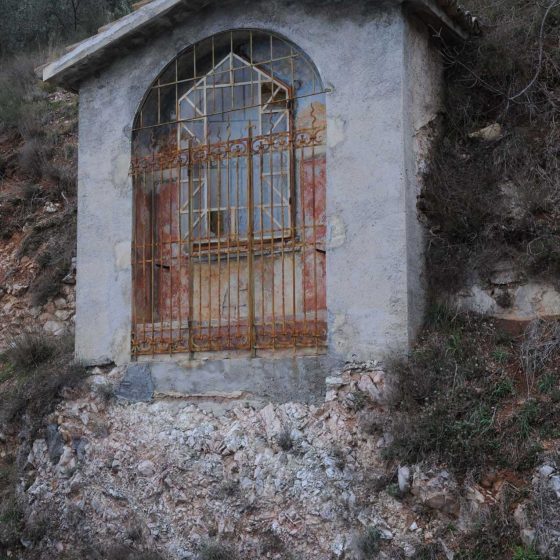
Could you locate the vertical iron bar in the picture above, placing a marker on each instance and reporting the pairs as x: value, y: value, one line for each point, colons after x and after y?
x: 153, y: 222
x: 190, y: 316
x: 171, y: 263
x: 262, y: 231
x: 272, y: 257
x: 219, y: 255
x: 303, y: 243
x: 250, y: 203
x: 208, y: 248
x: 161, y: 303
x: 228, y: 257
x: 314, y: 218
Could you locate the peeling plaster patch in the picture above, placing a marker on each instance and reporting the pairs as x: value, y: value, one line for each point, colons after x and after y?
x: 336, y: 131
x: 120, y: 168
x: 337, y: 232
x: 122, y: 255
x: 342, y: 332
x: 121, y: 343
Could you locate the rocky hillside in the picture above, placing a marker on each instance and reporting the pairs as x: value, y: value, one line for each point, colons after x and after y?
x: 386, y: 468
x: 37, y: 209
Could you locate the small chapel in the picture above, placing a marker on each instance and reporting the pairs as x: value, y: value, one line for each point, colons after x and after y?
x: 248, y: 181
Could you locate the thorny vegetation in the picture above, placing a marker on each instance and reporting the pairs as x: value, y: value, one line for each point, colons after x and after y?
x: 38, y: 138
x: 500, y: 200
x: 37, y: 173
x: 33, y: 24
x: 33, y: 372
x: 479, y: 400
x: 473, y: 397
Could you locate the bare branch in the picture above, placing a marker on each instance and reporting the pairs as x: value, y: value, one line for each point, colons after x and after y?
x: 541, y: 50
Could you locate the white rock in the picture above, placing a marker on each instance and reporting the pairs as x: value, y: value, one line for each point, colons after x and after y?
x: 555, y: 485
x: 546, y: 470
x: 403, y: 475
x: 63, y: 314
x: 60, y: 303
x: 56, y: 328
x: 146, y: 468
x: 35, y: 312
x: 335, y: 381
x: 490, y: 133
x: 437, y: 491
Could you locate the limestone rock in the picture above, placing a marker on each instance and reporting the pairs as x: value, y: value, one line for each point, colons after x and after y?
x: 529, y: 301
x: 63, y: 314
x: 146, y: 468
x: 490, y: 133
x: 183, y: 473
x: 55, y: 443
x: 60, y: 303
x: 56, y: 328
x: 436, y: 490
x: 403, y: 475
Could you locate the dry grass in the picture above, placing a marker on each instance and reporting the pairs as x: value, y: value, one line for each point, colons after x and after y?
x: 36, y: 368
x: 217, y: 551
x: 457, y: 391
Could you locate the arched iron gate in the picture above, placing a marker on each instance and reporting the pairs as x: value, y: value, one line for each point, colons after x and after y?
x: 229, y: 232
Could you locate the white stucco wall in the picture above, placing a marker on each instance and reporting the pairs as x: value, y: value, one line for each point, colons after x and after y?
x: 374, y: 247
x: 423, y: 105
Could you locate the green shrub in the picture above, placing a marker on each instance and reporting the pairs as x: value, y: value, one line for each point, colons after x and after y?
x: 42, y: 367
x: 524, y: 553
x: 452, y: 393
x: 368, y: 544
x: 29, y: 350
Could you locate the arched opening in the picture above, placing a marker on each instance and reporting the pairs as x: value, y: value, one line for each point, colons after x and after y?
x: 229, y: 180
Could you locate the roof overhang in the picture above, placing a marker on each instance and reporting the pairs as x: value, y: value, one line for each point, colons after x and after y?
x: 136, y: 29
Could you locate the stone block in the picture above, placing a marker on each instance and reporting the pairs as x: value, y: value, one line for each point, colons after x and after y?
x: 137, y: 384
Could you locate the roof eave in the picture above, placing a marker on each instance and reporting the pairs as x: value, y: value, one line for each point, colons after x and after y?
x: 127, y: 32
x: 136, y: 28
x: 435, y: 17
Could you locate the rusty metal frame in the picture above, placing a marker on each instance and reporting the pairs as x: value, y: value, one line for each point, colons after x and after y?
x: 179, y: 272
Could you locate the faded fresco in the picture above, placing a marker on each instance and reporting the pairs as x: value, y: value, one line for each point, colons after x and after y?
x: 229, y: 175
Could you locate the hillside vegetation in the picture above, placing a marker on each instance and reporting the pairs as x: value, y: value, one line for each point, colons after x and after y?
x: 499, y: 198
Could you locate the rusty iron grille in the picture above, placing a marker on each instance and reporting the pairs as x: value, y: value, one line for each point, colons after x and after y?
x: 229, y: 176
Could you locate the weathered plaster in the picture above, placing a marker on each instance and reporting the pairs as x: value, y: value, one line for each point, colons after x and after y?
x: 423, y: 105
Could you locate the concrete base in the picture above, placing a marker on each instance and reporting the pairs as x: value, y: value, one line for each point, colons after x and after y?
x: 297, y: 378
